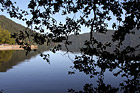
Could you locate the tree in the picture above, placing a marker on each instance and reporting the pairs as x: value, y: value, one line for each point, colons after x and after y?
x: 5, y: 37
x: 93, y: 14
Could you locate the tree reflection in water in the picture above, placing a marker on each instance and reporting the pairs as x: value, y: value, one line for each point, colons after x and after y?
x: 126, y: 59
x: 5, y: 55
x: 102, y: 88
x: 1, y: 91
x: 128, y: 67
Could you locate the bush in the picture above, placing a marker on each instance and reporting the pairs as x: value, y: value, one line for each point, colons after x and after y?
x: 5, y: 37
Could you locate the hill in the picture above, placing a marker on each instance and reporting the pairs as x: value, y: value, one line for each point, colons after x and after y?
x: 10, y: 25
x: 14, y: 27
x: 78, y: 41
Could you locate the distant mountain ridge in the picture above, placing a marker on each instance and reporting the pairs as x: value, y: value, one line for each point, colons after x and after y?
x: 10, y: 25
x: 78, y: 41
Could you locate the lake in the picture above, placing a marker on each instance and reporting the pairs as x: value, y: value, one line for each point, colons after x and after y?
x: 32, y: 74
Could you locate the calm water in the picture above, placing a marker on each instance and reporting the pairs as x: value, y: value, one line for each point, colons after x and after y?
x: 32, y: 74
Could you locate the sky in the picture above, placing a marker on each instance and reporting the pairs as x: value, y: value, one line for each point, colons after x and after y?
x: 23, y: 4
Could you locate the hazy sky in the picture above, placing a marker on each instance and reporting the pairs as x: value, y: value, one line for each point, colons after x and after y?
x: 23, y: 4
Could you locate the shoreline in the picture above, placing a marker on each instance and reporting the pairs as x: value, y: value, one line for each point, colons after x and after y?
x: 15, y: 47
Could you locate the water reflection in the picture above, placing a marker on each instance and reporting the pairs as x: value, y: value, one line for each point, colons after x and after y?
x: 101, y: 88
x: 11, y: 58
x: 123, y: 62
x: 5, y: 55
x: 90, y: 65
x: 91, y: 75
x: 1, y: 91
x: 39, y: 76
x: 126, y: 69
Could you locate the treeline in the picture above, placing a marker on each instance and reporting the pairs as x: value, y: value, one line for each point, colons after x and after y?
x: 5, y: 37
x: 17, y: 29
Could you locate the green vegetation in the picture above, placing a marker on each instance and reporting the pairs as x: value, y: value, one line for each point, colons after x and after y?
x: 5, y: 55
x: 5, y: 37
x: 10, y: 58
x: 13, y: 28
x: 10, y: 25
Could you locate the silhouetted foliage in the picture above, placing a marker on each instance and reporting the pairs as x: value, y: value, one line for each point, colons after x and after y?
x: 101, y: 88
x: 92, y: 14
x: 1, y: 91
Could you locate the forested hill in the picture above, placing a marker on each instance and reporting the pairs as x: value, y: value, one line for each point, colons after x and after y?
x: 10, y: 25
x: 78, y: 41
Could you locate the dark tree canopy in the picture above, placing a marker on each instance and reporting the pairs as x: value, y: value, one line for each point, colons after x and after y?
x: 92, y: 14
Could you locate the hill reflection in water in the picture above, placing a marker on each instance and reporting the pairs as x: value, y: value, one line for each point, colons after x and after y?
x: 8, y: 58
x: 39, y: 76
x: 122, y: 64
